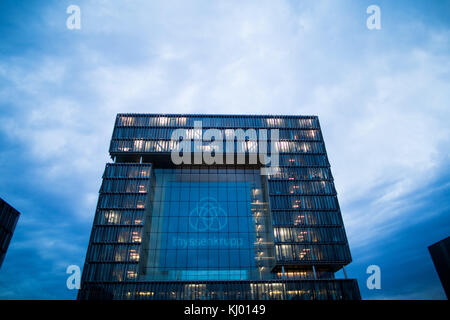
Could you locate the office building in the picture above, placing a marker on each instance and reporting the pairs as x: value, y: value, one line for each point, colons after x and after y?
x: 8, y: 220
x: 440, y: 253
x: 217, y: 207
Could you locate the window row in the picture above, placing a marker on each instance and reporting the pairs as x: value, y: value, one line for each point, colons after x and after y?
x: 210, y: 169
x: 307, y: 160
x: 124, y: 186
x: 305, y: 274
x: 304, y: 202
x: 245, y: 290
x: 300, y: 147
x: 317, y: 218
x: 113, y: 253
x: 325, y: 253
x: 119, y: 217
x: 110, y: 272
x: 166, y: 133
x: 127, y: 171
x: 126, y: 201
x: 284, y: 173
x: 216, y: 122
x: 301, y: 187
x: 238, y: 147
x: 305, y: 235
x: 117, y: 234
x: 301, y: 174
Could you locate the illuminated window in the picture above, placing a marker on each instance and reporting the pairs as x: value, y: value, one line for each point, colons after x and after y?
x: 275, y: 122
x: 145, y: 293
x: 112, y: 217
x: 299, y: 220
x: 124, y: 148
x: 138, y: 145
x: 144, y: 173
x: 162, y: 121
x: 301, y: 236
x: 135, y: 236
x: 134, y: 255
x: 140, y: 205
x: 127, y: 121
x: 304, y: 253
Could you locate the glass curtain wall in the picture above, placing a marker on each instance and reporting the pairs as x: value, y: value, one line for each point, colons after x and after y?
x: 208, y: 224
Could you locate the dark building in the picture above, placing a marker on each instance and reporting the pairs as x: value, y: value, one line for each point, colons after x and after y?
x: 261, y: 221
x: 8, y: 221
x: 440, y: 253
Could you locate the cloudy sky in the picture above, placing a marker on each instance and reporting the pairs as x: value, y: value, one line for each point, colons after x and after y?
x: 382, y: 97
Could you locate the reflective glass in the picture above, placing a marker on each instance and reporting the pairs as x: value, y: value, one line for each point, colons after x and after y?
x: 206, y: 226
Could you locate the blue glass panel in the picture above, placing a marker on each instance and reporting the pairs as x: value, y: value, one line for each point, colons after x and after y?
x: 207, y: 230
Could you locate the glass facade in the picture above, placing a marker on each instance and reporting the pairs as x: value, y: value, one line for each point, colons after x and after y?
x: 8, y: 220
x: 440, y: 254
x: 338, y: 289
x: 208, y: 224
x: 188, y: 231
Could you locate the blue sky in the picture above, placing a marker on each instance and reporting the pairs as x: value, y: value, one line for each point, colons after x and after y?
x: 382, y: 97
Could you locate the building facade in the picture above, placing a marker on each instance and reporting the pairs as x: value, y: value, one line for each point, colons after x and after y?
x: 8, y: 220
x: 440, y: 254
x: 217, y: 207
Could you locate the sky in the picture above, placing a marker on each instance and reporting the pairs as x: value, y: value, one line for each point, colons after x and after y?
x: 382, y: 97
